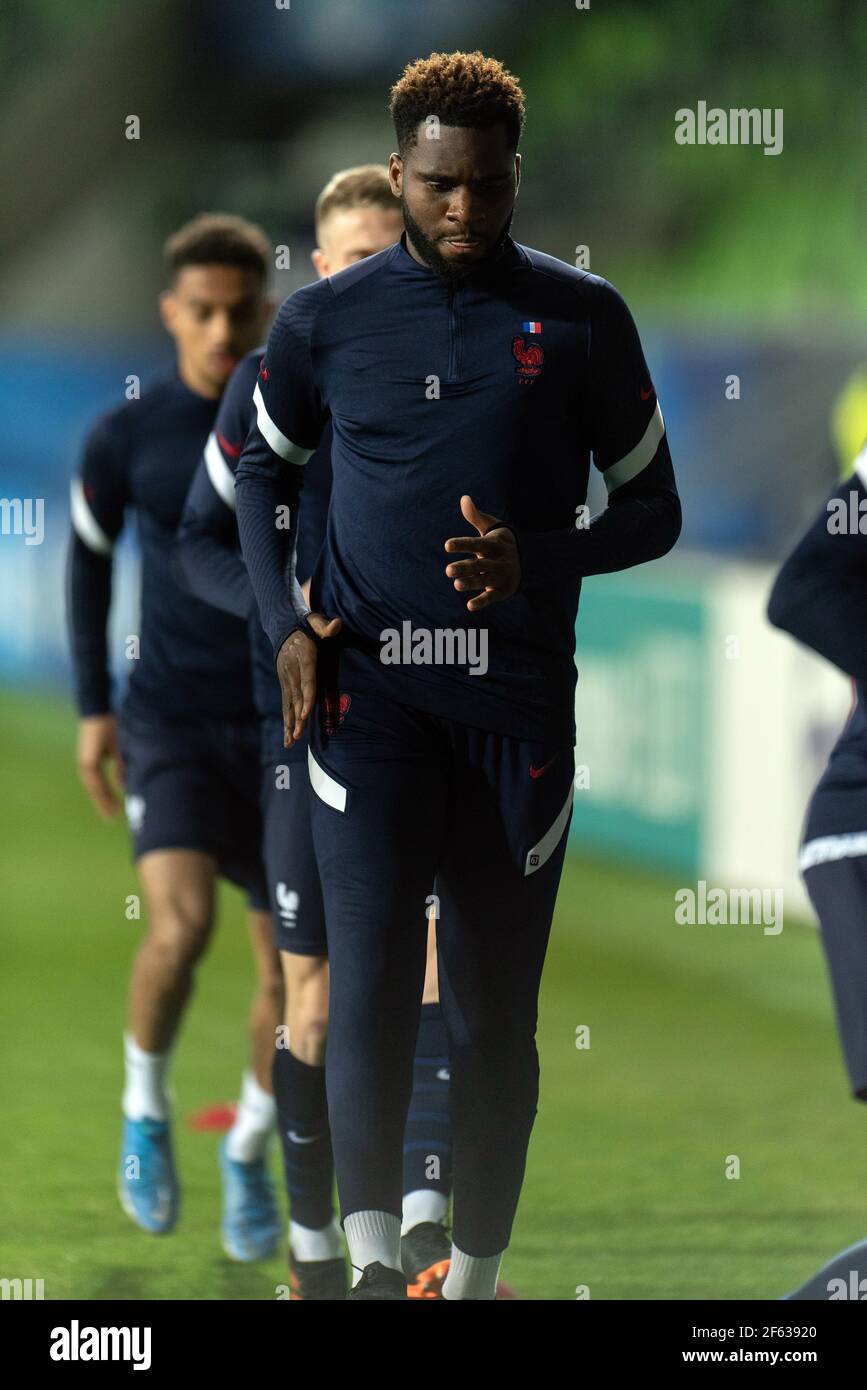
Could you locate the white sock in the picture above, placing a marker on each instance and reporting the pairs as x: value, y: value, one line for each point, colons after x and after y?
x: 372, y: 1236
x: 423, y: 1205
x: 307, y: 1244
x: 471, y: 1277
x: 248, y: 1138
x: 146, y: 1091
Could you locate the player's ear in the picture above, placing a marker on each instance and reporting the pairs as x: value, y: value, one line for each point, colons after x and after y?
x: 395, y: 173
x: 320, y: 262
x: 169, y: 311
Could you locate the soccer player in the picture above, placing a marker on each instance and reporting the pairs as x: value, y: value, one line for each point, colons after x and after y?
x: 820, y: 597
x: 467, y: 380
x: 357, y: 215
x: 185, y: 744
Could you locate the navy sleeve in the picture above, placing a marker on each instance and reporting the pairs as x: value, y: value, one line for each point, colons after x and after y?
x: 206, y: 553
x: 627, y: 435
x: 820, y: 593
x: 313, y: 516
x: 99, y: 494
x: 290, y: 417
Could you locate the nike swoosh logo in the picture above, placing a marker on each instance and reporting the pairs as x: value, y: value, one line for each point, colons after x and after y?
x: 540, y: 771
x: 300, y: 1139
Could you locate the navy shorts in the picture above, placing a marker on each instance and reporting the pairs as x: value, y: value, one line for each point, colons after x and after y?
x: 478, y: 798
x: 196, y: 786
x: 295, y: 897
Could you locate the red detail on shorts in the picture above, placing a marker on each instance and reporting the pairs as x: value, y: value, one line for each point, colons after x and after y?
x: 540, y: 771
x: 334, y: 710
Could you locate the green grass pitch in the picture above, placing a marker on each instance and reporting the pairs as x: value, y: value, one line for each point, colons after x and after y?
x: 704, y: 1042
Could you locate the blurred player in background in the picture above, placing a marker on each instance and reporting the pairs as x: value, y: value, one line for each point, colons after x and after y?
x: 185, y: 744
x: 464, y: 387
x: 820, y: 597
x: 357, y: 215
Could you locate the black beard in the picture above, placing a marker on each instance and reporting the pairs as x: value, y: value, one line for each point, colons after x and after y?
x: 448, y: 270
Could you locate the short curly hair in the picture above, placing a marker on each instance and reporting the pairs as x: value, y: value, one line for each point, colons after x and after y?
x: 462, y: 89
x: 218, y: 238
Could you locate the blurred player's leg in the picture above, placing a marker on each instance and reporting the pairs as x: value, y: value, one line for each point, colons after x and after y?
x: 192, y: 795
x: 250, y: 1225
x: 316, y: 1259
x: 251, y: 1221
x: 178, y: 887
x: 316, y: 1252
x: 256, y: 1114
x: 266, y: 1009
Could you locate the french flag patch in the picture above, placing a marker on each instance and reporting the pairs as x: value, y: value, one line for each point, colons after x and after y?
x: 533, y: 326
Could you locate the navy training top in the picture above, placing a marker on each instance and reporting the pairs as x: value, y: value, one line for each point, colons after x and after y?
x: 500, y: 385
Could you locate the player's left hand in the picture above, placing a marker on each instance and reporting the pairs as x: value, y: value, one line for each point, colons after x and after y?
x: 496, y: 565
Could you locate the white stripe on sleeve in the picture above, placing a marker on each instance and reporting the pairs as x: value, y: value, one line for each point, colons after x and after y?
x: 219, y: 472
x: 827, y: 849
x: 627, y: 468
x: 86, y: 526
x: 277, y: 441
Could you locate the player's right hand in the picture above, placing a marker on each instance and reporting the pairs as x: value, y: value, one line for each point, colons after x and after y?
x: 296, y: 669
x: 97, y: 748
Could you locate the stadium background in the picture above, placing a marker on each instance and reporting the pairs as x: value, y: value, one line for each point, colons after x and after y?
x: 701, y: 730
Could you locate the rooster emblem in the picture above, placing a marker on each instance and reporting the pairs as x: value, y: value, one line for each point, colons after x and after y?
x: 529, y: 357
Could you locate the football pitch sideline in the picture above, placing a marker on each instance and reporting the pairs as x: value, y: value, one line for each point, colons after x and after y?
x: 706, y: 1045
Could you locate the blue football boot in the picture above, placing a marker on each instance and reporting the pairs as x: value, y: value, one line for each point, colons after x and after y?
x: 251, y: 1227
x: 147, y: 1183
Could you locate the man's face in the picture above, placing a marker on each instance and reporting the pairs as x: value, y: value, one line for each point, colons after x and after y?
x: 350, y: 234
x: 457, y: 194
x: 215, y: 313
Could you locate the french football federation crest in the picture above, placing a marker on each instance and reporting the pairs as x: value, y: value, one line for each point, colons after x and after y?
x: 135, y: 812
x: 529, y: 357
x: 288, y: 902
